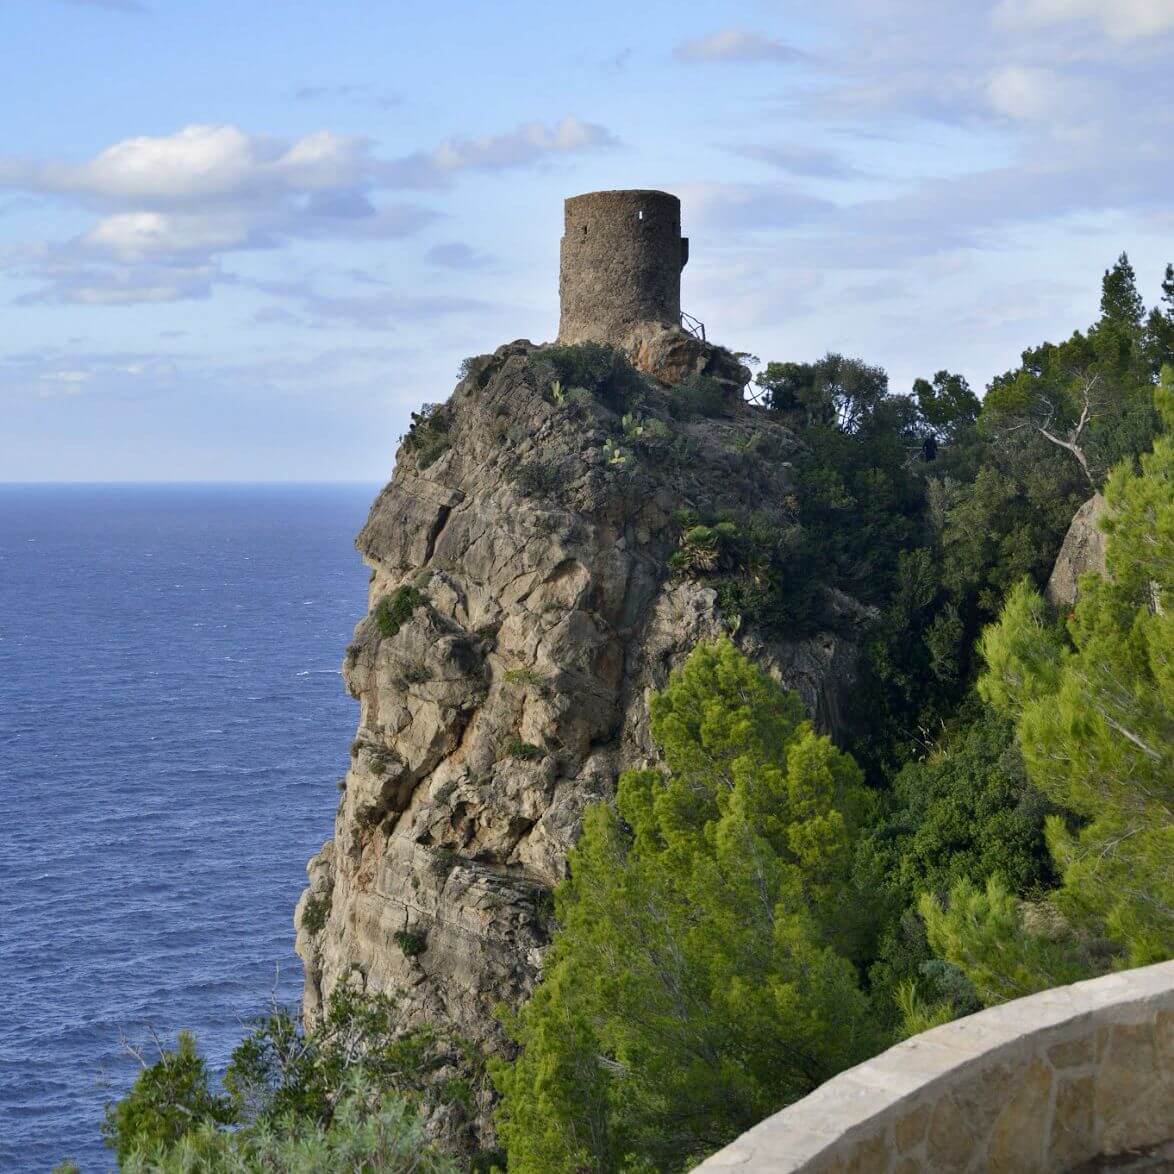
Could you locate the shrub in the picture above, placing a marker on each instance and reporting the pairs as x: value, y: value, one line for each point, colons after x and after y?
x: 537, y: 478
x: 600, y: 369
x: 699, y: 395
x: 370, y: 1130
x: 704, y: 549
x: 523, y: 677
x: 427, y: 437
x: 393, y: 610
x: 444, y: 860
x: 315, y: 912
x: 516, y: 748
x: 411, y: 943
x: 416, y: 674
x: 167, y: 1099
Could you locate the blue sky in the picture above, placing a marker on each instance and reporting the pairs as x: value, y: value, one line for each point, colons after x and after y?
x: 242, y: 241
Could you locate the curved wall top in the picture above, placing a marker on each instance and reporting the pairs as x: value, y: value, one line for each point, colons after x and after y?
x: 1045, y: 1083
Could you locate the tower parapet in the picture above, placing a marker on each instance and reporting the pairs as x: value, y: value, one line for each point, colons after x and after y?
x: 620, y: 265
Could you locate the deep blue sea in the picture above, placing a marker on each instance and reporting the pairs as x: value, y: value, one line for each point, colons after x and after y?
x: 172, y: 729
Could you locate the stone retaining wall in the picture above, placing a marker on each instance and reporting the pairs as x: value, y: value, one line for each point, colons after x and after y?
x: 1044, y: 1083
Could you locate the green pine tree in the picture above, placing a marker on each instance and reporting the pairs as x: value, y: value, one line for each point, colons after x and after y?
x: 1092, y: 701
x: 701, y: 975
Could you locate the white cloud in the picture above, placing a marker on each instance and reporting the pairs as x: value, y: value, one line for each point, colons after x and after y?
x: 734, y: 44
x: 528, y: 144
x: 1025, y: 92
x: 1123, y: 20
x: 134, y: 236
x: 171, y: 205
x: 197, y: 164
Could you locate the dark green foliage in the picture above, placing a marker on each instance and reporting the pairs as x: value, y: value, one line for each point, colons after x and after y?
x: 349, y: 1095
x: 757, y: 565
x: 1120, y: 302
x: 1159, y: 336
x: 970, y: 811
x: 602, y: 370
x: 168, y: 1098
x: 700, y: 978
x: 444, y: 860
x: 416, y: 674
x: 315, y: 912
x: 947, y: 405
x: 700, y: 395
x: 394, y: 610
x: 412, y: 944
x: 370, y: 1131
x: 537, y: 478
x: 427, y: 437
x: 279, y: 1069
x: 835, y: 392
x: 477, y: 367
x: 516, y: 748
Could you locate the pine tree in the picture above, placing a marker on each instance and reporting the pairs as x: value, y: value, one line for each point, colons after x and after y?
x: 1120, y: 301
x: 1160, y: 325
x: 1092, y: 701
x: 700, y: 976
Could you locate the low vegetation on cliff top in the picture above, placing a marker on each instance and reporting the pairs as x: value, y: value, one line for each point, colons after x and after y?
x: 765, y: 908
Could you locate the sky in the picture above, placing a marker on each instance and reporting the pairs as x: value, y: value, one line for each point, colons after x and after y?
x: 242, y: 241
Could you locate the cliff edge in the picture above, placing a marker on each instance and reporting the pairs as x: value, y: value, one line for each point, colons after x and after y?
x: 542, y: 557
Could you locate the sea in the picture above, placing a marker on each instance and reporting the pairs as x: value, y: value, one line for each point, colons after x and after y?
x: 173, y: 725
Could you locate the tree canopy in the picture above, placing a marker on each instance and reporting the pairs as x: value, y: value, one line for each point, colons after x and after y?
x: 701, y: 976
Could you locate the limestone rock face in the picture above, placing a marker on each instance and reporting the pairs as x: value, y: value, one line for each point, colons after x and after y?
x: 522, y: 609
x: 671, y: 355
x: 1083, y: 550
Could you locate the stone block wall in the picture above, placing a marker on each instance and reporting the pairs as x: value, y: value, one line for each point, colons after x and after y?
x: 620, y: 265
x: 1047, y: 1083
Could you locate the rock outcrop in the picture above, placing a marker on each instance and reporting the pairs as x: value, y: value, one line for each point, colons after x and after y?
x: 1083, y: 550
x: 522, y: 609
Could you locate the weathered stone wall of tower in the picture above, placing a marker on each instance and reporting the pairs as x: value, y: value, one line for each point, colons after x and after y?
x: 620, y: 266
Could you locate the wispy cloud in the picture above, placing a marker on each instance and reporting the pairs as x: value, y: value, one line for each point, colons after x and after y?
x: 795, y: 159
x: 737, y: 45
x: 526, y: 145
x: 458, y: 255
x: 1123, y: 20
x: 170, y: 207
x: 346, y: 92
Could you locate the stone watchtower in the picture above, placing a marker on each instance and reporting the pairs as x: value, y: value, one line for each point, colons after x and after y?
x: 620, y: 266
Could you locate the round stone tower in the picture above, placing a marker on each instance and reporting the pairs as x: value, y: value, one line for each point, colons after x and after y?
x: 620, y: 266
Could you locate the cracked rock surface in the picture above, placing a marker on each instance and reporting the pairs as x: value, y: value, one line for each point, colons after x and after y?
x: 536, y: 612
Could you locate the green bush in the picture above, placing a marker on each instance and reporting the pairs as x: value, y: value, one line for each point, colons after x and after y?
x: 416, y: 674
x: 315, y: 912
x: 427, y: 437
x: 393, y: 610
x: 410, y: 942
x: 537, y: 478
x: 167, y: 1099
x: 516, y: 748
x: 700, y: 395
x: 700, y: 976
x: 371, y: 1130
x: 444, y: 860
x: 600, y: 369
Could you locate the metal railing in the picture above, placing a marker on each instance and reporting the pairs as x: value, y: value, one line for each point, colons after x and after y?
x: 693, y: 325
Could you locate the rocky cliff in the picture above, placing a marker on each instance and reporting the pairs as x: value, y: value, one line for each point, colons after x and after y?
x: 542, y: 557
x: 1083, y: 551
